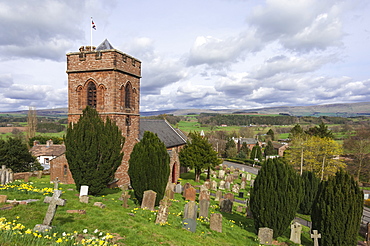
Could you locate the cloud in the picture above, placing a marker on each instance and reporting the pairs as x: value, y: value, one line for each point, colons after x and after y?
x: 6, y: 80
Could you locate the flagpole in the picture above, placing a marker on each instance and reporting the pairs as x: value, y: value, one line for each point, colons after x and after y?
x: 91, y: 33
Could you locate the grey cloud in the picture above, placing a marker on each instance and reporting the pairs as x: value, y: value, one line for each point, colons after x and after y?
x: 6, y: 80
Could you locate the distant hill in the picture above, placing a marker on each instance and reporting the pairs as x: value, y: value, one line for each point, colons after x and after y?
x: 340, y: 109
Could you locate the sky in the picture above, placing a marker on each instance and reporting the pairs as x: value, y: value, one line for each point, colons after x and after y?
x: 235, y: 54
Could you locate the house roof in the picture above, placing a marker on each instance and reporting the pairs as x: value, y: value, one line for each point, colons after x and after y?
x: 166, y: 133
x: 277, y: 145
x: 45, y: 150
x: 248, y: 140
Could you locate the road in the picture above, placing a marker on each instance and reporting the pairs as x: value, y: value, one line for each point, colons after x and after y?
x: 248, y: 169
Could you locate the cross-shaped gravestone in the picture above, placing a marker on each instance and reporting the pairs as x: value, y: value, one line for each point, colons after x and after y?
x: 56, y: 183
x: 315, y: 237
x: 54, y: 202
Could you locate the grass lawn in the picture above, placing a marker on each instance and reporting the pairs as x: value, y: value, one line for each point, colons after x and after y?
x: 127, y: 226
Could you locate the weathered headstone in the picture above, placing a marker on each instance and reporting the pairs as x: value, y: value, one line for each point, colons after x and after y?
x: 186, y: 186
x: 190, y: 210
x: 178, y: 188
x: 226, y: 206
x: 54, y: 202
x: 26, y: 177
x: 221, y: 174
x: 39, y: 174
x: 189, y: 224
x: 215, y: 223
x: 84, y: 190
x: 84, y: 199
x: 190, y: 194
x: 204, y: 195
x: 162, y: 214
x: 243, y: 175
x: 232, y: 169
x: 99, y: 204
x: 227, y: 185
x: 218, y: 195
x: 229, y: 196
x: 125, y: 196
x: 235, y: 188
x: 265, y: 235
x: 78, y: 211
x: 213, y: 185
x: 148, y: 201
x: 295, y: 233
x: 315, y: 237
x: 222, y: 185
x: 170, y: 194
x: 171, y: 186
x: 204, y: 207
x: 3, y: 198
x: 207, y: 185
x: 242, y: 185
x: 249, y: 177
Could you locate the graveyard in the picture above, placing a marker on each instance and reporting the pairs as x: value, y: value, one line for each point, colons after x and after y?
x: 204, y: 213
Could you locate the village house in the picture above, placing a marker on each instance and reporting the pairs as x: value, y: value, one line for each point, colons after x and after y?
x: 45, y: 153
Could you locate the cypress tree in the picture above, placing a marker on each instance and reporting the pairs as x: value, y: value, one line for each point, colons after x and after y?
x: 310, y: 187
x: 276, y: 196
x: 269, y: 149
x: 149, y: 167
x: 93, y: 151
x: 337, y: 212
x: 256, y: 152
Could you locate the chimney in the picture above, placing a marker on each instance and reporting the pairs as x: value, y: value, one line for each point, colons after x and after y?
x: 36, y: 142
x: 49, y: 143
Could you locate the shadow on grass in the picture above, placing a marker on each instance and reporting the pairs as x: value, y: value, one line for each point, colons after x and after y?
x: 66, y: 220
x: 241, y: 221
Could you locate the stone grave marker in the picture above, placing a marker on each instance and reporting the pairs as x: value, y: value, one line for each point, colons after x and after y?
x: 189, y: 224
x: 84, y: 199
x: 84, y: 190
x: 204, y: 207
x: 3, y: 198
x: 243, y: 175
x: 218, y: 195
x: 77, y: 211
x: 39, y: 174
x: 207, y: 185
x: 235, y: 188
x: 149, y: 200
x: 239, y: 209
x: 178, y: 188
x: 26, y: 177
x: 186, y: 186
x: 190, y: 210
x: 243, y: 169
x: 170, y: 194
x: 125, y: 196
x: 227, y: 185
x: 190, y: 194
x: 249, y: 177
x: 204, y: 195
x: 315, y: 237
x: 222, y: 185
x: 295, y: 233
x: 215, y: 223
x: 249, y: 213
x: 265, y: 235
x: 54, y: 202
x: 232, y: 169
x: 162, y: 214
x: 243, y: 179
x: 242, y: 185
x: 229, y: 196
x: 229, y: 178
x: 221, y: 174
x: 226, y: 206
x: 99, y: 204
x: 171, y: 186
x: 213, y: 185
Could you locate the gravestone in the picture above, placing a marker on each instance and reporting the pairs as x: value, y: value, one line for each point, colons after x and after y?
x: 84, y: 190
x: 235, y: 188
x: 163, y: 209
x: 204, y: 195
x: 221, y: 174
x: 204, y: 207
x: 84, y: 199
x: 239, y: 209
x: 252, y: 182
x: 222, y: 185
x: 242, y: 185
x: 189, y: 224
x: 229, y: 178
x: 190, y: 210
x: 265, y: 235
x: 226, y: 206
x: 215, y: 223
x: 207, y: 185
x: 227, y: 185
x: 170, y: 194
x: 148, y: 200
x: 190, y: 194
x: 171, y: 186
x: 54, y: 202
x: 6, y: 175
x: 186, y: 186
x: 125, y: 196
x: 39, y: 174
x: 249, y: 213
x: 99, y: 204
x: 3, y: 198
x: 76, y: 211
x: 243, y: 179
x: 213, y: 185
x: 315, y: 237
x: 229, y: 196
x: 218, y: 195
x: 295, y: 233
x: 243, y: 175
x: 178, y: 188
x: 249, y: 177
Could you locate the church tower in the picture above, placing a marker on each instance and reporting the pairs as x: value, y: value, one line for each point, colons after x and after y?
x: 109, y: 81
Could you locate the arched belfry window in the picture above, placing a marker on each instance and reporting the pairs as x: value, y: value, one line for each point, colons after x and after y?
x: 91, y: 94
x: 128, y: 95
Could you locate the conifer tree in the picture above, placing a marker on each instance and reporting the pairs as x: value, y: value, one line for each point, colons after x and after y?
x: 271, y: 134
x: 93, y: 150
x: 149, y: 167
x: 269, y: 149
x: 310, y: 187
x: 256, y: 152
x: 337, y: 211
x: 276, y: 196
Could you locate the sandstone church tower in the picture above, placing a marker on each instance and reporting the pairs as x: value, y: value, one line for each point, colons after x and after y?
x: 109, y: 81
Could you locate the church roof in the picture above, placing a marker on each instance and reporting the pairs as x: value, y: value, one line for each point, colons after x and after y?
x: 105, y: 45
x: 166, y: 133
